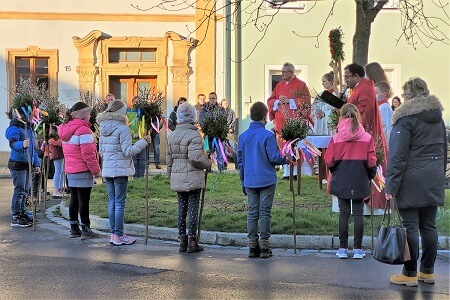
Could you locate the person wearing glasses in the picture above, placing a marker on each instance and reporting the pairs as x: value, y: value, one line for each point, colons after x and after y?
x: 291, y: 99
x: 364, y: 97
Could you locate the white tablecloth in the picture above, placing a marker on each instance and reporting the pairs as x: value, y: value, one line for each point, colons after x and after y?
x: 319, y: 141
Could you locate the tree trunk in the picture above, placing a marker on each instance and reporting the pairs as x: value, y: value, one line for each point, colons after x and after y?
x: 366, y: 11
x: 361, y: 37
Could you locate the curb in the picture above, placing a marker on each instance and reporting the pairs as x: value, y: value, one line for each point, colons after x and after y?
x: 316, y: 242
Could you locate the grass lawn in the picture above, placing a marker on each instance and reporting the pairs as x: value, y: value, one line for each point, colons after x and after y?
x: 225, y: 207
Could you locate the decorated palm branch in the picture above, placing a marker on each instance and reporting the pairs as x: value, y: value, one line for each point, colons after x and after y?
x: 335, y: 38
x: 215, y: 123
x: 333, y: 119
x: 215, y: 131
x: 146, y: 113
x: 294, y: 132
x: 42, y: 108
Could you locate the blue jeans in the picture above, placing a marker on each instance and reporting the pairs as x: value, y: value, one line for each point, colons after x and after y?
x: 21, y: 182
x: 58, y: 177
x: 260, y: 202
x: 139, y: 163
x: 117, y: 192
x: 155, y: 144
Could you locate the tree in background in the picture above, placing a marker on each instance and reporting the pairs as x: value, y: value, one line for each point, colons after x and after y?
x: 416, y: 24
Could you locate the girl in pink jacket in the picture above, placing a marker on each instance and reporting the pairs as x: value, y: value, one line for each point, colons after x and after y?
x: 81, y: 166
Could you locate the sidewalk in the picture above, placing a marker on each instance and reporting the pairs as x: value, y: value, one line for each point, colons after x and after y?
x: 207, y: 237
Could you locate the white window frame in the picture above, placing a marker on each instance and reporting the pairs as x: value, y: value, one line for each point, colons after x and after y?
x: 392, y: 4
x: 395, y: 72
x: 301, y: 71
x: 291, y: 6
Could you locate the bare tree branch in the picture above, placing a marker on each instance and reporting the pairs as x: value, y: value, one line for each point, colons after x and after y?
x: 330, y: 13
x: 417, y: 27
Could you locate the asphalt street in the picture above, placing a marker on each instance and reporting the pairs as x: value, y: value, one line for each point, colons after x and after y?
x: 46, y: 264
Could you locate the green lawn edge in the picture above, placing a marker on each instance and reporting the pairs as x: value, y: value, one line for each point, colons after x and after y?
x: 225, y: 207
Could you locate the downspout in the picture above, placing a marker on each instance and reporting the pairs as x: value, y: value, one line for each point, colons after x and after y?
x: 238, y: 65
x: 227, y: 56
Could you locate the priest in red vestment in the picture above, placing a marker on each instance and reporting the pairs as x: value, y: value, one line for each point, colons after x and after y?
x: 363, y: 96
x: 290, y: 98
x: 288, y: 92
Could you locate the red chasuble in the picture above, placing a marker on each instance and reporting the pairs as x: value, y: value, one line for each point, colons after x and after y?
x: 363, y: 96
x: 283, y: 89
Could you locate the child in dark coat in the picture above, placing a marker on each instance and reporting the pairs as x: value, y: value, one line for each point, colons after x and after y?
x: 351, y: 159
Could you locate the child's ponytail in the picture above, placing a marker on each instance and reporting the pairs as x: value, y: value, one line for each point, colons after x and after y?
x: 350, y: 111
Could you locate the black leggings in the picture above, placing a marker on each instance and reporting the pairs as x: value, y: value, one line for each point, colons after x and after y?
x: 358, y: 222
x: 188, y: 204
x: 79, y: 202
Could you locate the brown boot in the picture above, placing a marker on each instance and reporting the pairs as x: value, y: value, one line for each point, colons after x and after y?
x: 193, y: 246
x: 183, y: 243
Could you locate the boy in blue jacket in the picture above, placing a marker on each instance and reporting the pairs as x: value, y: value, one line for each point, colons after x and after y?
x: 21, y: 140
x: 258, y: 154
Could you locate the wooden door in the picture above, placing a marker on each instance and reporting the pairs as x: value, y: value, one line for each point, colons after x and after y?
x: 126, y: 87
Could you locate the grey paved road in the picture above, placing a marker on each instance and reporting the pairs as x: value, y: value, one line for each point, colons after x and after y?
x: 45, y: 264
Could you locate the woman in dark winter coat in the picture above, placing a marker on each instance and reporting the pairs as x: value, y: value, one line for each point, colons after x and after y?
x: 352, y: 162
x: 415, y: 175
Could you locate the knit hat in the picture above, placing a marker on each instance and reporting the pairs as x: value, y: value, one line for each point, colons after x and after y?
x: 186, y: 113
x: 117, y: 106
x: 80, y: 110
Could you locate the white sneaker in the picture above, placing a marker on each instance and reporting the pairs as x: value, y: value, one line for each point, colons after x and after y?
x: 123, y: 240
x: 358, y: 253
x: 57, y: 194
x: 342, y: 253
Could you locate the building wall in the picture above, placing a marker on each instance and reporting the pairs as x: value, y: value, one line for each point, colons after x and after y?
x: 53, y: 24
x: 280, y: 44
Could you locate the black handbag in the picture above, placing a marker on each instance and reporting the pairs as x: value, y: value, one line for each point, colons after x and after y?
x: 391, y: 246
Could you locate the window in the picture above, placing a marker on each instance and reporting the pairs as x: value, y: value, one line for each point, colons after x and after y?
x: 393, y: 73
x: 273, y: 76
x: 34, y: 68
x: 117, y: 55
x: 41, y: 65
x: 285, y: 4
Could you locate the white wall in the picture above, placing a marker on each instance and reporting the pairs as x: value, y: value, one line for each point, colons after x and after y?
x: 58, y: 35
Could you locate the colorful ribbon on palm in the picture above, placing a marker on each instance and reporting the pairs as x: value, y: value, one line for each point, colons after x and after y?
x: 37, y: 117
x: 218, y: 147
x: 379, y: 182
x: 300, y: 149
x: 139, y: 124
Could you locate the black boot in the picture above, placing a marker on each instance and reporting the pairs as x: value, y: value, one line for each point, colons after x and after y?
x: 254, y: 250
x: 193, y: 246
x: 87, y: 233
x: 183, y: 243
x: 266, y: 252
x: 75, y: 231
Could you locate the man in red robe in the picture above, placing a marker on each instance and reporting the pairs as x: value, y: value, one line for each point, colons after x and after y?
x: 289, y: 91
x: 291, y: 99
x: 364, y: 97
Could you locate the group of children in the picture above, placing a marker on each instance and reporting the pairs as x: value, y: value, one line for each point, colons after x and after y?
x: 256, y: 146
